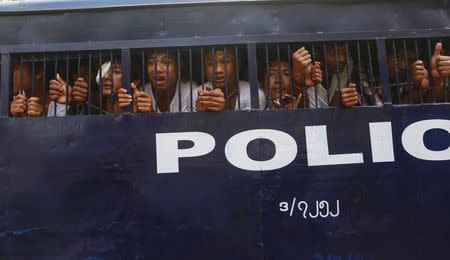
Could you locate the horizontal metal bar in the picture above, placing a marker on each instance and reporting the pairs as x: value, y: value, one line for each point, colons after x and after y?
x: 27, y: 6
x: 222, y: 40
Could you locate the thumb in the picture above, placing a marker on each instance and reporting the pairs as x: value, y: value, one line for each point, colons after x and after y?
x: 133, y: 88
x: 24, y: 94
x: 437, y: 49
x: 58, y: 78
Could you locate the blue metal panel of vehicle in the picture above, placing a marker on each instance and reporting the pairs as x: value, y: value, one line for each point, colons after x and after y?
x: 87, y: 187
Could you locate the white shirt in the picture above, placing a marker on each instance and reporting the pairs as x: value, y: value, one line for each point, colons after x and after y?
x: 186, y: 105
x: 60, y: 109
x: 244, y: 96
x: 321, y: 96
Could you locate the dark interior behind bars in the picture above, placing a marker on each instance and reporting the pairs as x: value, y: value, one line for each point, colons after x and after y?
x: 172, y: 77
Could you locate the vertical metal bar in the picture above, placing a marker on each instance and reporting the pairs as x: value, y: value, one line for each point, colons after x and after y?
x: 236, y: 59
x: 202, y: 68
x: 347, y: 56
x: 445, y: 86
x: 179, y: 81
x: 382, y: 63
x: 214, y: 67
x: 408, y: 76
x: 416, y: 49
x: 125, y: 56
x: 21, y: 74
x: 190, y: 79
x: 337, y: 67
x: 394, y: 50
x: 5, y: 84
x: 33, y: 75
x: 155, y: 72
x: 225, y: 74
x: 101, y: 82
x: 167, y: 80
x: 313, y: 49
x: 291, y: 80
x: 67, y: 82
x: 56, y: 72
x: 253, y: 75
x: 44, y: 83
x: 430, y: 56
x: 111, y: 71
x: 372, y: 77
x: 280, y: 90
x: 325, y: 59
x: 361, y: 82
x: 89, y: 82
x: 143, y: 69
x: 78, y: 75
x: 268, y: 76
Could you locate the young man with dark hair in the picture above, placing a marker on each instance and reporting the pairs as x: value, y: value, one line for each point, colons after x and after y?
x: 223, y: 91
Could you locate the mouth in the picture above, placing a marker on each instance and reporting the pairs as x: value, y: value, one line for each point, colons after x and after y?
x: 160, y: 81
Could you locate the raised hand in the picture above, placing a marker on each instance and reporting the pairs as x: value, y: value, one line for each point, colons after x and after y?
x: 349, y: 96
x: 34, y: 107
x: 57, y: 90
x: 301, y: 64
x: 18, y: 106
x: 210, y: 100
x: 80, y: 90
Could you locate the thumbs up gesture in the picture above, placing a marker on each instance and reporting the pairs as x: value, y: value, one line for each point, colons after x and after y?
x: 142, y: 102
x: 440, y: 65
x: 57, y: 90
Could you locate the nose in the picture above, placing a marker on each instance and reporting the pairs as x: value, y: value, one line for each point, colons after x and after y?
x: 220, y: 68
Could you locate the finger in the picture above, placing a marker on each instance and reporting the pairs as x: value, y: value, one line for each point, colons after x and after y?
x: 214, y: 93
x: 210, y: 104
x: 79, y: 94
x: 144, y: 109
x: 437, y: 49
x: 299, y: 50
x: 124, y: 95
x: 59, y: 79
x: 124, y: 104
x: 33, y: 113
x: 17, y: 111
x: 211, y: 98
x: 81, y: 89
x: 351, y: 104
x: 143, y: 99
x: 55, y: 92
x: 33, y: 99
x: 122, y: 91
x: 133, y: 88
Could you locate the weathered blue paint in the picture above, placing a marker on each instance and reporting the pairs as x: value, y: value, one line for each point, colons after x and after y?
x: 85, y: 187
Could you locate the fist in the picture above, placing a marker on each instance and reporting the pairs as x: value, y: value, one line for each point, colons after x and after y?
x: 34, y: 107
x: 18, y: 106
x: 349, y: 96
x: 301, y: 63
x: 210, y: 100
x: 420, y: 74
x: 80, y: 90
x: 142, y: 101
x: 314, y: 76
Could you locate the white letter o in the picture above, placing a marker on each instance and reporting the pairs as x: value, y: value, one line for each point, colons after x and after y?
x: 412, y: 140
x: 285, y: 150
